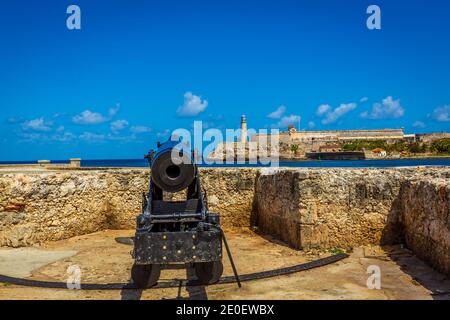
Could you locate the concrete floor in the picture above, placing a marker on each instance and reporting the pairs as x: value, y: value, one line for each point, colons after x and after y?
x: 102, y: 260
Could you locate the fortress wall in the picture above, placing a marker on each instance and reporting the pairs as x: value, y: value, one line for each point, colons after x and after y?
x: 325, y: 208
x: 336, y: 135
x: 46, y: 205
x: 53, y: 205
x: 306, y: 208
x: 329, y: 207
x: 426, y: 219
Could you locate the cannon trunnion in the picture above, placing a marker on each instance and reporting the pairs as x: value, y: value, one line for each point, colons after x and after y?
x: 176, y: 232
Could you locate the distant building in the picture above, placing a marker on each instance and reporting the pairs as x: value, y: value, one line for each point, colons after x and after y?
x: 330, y: 148
x: 379, y: 152
x: 293, y: 136
x: 410, y: 137
x: 243, y: 129
x: 322, y: 141
x: 430, y: 137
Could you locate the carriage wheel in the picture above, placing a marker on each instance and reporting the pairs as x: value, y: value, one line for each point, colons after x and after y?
x: 208, y: 272
x: 145, y: 276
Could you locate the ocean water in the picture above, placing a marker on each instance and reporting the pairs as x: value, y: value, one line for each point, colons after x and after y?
x: 140, y: 163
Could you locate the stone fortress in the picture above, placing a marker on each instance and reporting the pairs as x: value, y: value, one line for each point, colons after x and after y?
x: 304, y: 208
x: 313, y: 141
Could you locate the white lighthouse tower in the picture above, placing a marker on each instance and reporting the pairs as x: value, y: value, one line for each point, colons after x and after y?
x: 243, y: 129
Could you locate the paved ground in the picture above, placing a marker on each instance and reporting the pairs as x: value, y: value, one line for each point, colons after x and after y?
x: 103, y: 260
x: 22, y: 262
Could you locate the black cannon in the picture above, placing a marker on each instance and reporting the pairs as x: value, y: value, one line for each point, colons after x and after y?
x: 176, y: 232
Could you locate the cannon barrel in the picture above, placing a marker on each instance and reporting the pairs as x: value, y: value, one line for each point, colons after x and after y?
x: 172, y: 170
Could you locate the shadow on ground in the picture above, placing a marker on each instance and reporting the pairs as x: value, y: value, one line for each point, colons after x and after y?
x: 194, y: 292
x: 421, y: 273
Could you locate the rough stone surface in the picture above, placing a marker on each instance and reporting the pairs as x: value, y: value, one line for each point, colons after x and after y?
x: 230, y: 192
x: 426, y: 219
x: 328, y: 207
x: 39, y: 206
x: 43, y: 206
x: 344, y: 208
x: 306, y: 208
x: 102, y: 260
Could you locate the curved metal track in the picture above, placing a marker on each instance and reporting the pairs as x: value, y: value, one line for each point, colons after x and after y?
x: 176, y: 283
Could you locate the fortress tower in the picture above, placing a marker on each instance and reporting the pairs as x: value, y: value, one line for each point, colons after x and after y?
x: 243, y: 129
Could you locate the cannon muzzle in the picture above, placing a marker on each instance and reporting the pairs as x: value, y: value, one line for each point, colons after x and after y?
x: 172, y: 169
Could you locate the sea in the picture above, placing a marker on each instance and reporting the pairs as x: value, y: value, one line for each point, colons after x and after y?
x: 382, y: 163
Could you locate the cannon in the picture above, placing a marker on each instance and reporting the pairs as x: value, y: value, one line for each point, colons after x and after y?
x: 176, y: 233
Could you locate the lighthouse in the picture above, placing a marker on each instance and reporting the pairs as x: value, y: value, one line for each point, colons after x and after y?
x: 243, y: 129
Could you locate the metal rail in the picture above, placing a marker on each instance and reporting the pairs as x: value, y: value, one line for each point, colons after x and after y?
x: 176, y: 283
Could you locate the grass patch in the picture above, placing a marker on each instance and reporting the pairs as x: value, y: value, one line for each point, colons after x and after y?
x: 336, y: 250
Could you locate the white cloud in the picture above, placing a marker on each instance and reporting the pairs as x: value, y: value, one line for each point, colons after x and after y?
x: 64, y: 137
x: 119, y: 125
x: 140, y: 129
x: 35, y: 137
x: 311, y: 125
x: 363, y: 99
x: 192, y: 106
x: 419, y: 124
x: 322, y: 109
x: 388, y: 109
x: 37, y: 125
x: 90, y: 117
x: 332, y: 115
x: 14, y: 120
x: 89, y: 136
x: 278, y: 113
x: 113, y: 111
x: 287, y: 121
x: 32, y: 137
x: 120, y: 138
x: 163, y: 134
x: 441, y: 114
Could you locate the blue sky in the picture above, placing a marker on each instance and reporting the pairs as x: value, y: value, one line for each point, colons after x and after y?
x: 138, y: 69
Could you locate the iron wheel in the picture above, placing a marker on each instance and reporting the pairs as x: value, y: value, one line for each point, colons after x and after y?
x: 208, y: 272
x: 145, y: 276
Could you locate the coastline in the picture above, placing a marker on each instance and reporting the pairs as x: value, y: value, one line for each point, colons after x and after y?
x: 426, y: 157
x: 385, y: 162
x: 377, y: 158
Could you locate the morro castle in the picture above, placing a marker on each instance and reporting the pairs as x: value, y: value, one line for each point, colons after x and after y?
x: 306, y: 141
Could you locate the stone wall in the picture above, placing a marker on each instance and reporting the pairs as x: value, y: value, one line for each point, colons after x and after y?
x: 325, y: 208
x: 43, y: 206
x: 304, y: 207
x: 48, y: 205
x: 426, y: 219
x: 329, y: 207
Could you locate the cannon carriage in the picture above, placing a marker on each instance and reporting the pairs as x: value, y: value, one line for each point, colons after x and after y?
x: 176, y: 234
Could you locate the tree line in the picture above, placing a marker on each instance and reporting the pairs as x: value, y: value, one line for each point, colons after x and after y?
x: 441, y: 146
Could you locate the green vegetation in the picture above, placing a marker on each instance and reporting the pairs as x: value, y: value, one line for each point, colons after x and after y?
x: 438, y: 146
x: 336, y: 250
x: 441, y: 145
x: 294, y: 148
x: 364, y: 145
